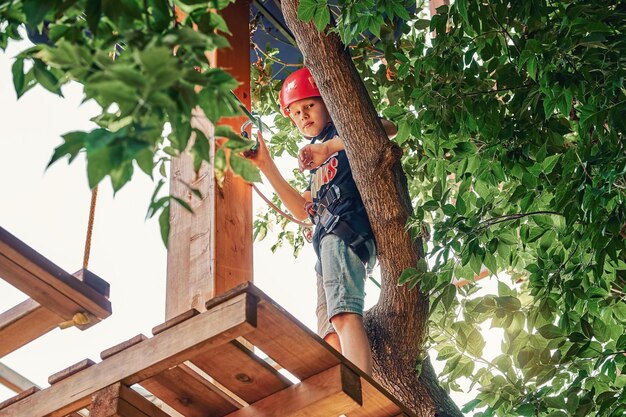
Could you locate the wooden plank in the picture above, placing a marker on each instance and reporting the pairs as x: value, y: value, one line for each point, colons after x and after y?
x: 174, y: 321
x: 226, y: 321
x: 188, y: 393
x: 47, y: 283
x: 333, y: 392
x: 198, y: 266
x: 94, y: 281
x: 69, y: 371
x: 289, y: 343
x: 118, y: 400
x: 114, y: 350
x: 377, y: 402
x: 24, y: 323
x: 13, y: 380
x: 27, y: 392
x: 301, y: 352
x: 242, y: 372
x: 191, y: 241
x: 233, y: 202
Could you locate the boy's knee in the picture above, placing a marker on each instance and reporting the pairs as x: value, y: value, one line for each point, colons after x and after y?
x: 343, y: 320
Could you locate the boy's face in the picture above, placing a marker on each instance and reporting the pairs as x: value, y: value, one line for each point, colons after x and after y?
x: 310, y: 115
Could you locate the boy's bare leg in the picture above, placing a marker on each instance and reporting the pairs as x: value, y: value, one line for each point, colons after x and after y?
x: 333, y: 340
x: 355, y: 345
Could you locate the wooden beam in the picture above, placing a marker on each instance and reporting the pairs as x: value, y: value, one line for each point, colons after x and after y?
x: 377, y: 402
x: 47, y: 283
x: 69, y: 371
x: 17, y: 398
x: 228, y: 320
x: 333, y: 392
x: 114, y: 350
x: 233, y: 204
x: 118, y: 400
x: 242, y: 372
x: 297, y: 349
x: 190, y: 261
x: 289, y: 343
x: 210, y: 250
x: 189, y: 393
x: 14, y: 381
x: 24, y: 323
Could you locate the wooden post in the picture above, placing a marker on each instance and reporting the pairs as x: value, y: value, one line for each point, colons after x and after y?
x: 210, y: 251
x: 233, y: 216
x: 118, y: 400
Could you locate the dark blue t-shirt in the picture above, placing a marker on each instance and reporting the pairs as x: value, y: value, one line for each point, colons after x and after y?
x: 336, y: 171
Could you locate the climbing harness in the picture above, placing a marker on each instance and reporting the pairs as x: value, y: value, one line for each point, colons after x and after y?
x: 333, y: 223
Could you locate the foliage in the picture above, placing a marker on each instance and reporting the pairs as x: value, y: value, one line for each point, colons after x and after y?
x: 122, y: 53
x: 511, y: 121
x: 515, y: 152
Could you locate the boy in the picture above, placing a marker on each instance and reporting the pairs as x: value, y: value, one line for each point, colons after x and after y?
x: 343, y: 238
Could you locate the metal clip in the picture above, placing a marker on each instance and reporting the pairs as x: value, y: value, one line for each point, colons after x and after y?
x: 329, y: 220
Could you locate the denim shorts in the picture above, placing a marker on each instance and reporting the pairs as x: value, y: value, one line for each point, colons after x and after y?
x: 341, y: 286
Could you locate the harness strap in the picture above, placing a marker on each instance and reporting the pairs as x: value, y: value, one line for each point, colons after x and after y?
x: 352, y: 239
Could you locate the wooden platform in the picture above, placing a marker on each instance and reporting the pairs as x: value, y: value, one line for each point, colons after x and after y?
x: 56, y: 295
x: 208, y: 364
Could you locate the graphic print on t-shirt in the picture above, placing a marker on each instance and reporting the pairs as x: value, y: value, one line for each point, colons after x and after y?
x: 324, y: 175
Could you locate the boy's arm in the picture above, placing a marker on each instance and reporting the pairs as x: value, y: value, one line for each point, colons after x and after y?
x: 313, y: 155
x: 290, y: 197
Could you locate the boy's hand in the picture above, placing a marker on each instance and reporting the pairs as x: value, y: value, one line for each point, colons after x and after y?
x: 259, y: 157
x: 312, y: 156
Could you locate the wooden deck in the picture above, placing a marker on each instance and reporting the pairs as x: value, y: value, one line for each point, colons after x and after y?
x: 56, y: 295
x: 207, y: 364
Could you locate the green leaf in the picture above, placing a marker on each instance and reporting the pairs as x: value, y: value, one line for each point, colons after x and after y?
x: 447, y: 352
x: 421, y: 24
x: 36, y: 10
x: 18, y: 76
x: 509, y: 303
x: 449, y: 295
x: 120, y: 175
x: 73, y: 143
x: 244, y: 168
x: 164, y: 223
x: 526, y: 410
x: 550, y: 331
x: 430, y: 205
x: 46, y: 78
x: 471, y: 405
x: 408, y: 275
x: 549, y: 163
x: 93, y: 11
x: 476, y: 263
x: 437, y: 191
x: 100, y: 162
x: 475, y: 343
x: 306, y: 10
x: 322, y: 17
x: 491, y: 263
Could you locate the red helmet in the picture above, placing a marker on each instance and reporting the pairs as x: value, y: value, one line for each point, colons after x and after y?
x: 298, y: 85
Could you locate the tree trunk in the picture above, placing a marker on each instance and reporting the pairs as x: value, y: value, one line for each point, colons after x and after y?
x: 397, y: 324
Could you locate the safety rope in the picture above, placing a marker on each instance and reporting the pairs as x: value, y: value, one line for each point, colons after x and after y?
x: 281, y: 212
x: 92, y: 215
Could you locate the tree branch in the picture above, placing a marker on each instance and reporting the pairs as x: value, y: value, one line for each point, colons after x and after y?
x: 500, y: 219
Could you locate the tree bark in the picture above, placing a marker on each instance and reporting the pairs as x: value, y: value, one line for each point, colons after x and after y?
x: 397, y: 325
